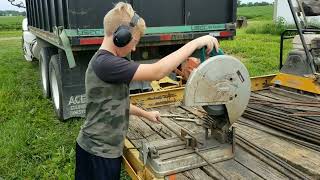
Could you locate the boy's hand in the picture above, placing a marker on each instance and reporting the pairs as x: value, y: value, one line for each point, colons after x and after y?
x: 153, y: 116
x: 209, y: 41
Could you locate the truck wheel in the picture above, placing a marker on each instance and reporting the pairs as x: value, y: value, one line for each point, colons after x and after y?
x: 44, y: 59
x: 56, y: 86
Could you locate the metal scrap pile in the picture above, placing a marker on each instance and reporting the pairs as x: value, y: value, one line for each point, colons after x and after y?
x: 298, y: 118
x: 279, y: 128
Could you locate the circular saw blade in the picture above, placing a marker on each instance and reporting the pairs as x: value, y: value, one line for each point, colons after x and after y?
x: 215, y: 110
x: 220, y: 80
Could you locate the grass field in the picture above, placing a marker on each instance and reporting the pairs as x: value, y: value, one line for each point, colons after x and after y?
x: 11, y: 33
x: 10, y: 23
x: 259, y: 52
x: 35, y: 145
x: 256, y: 13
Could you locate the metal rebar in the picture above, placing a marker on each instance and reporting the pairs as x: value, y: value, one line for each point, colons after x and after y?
x: 297, y: 141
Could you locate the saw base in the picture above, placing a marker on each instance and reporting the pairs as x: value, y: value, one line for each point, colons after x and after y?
x: 173, y: 156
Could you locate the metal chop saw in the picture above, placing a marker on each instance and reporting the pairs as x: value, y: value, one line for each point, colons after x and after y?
x: 221, y: 86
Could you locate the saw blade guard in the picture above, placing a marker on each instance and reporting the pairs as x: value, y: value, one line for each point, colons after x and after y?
x: 220, y: 80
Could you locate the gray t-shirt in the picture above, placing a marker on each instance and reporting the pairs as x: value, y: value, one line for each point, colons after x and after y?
x: 113, y: 69
x: 107, y: 112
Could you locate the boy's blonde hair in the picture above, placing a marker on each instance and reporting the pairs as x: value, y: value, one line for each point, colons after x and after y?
x: 121, y: 14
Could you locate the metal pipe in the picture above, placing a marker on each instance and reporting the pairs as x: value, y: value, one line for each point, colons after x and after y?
x: 280, y: 121
x: 284, y: 128
x: 297, y: 141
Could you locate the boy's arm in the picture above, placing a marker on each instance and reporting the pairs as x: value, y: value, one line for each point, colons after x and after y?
x: 169, y: 63
x: 150, y: 115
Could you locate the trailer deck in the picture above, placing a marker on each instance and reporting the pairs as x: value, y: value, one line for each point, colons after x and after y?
x: 261, y: 152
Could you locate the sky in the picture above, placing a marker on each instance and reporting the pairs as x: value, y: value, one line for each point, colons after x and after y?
x: 5, y: 5
x: 246, y: 1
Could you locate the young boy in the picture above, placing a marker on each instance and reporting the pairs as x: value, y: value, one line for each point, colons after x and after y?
x: 101, y: 138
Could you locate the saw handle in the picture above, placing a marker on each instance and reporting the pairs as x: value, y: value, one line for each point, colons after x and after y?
x: 203, y: 54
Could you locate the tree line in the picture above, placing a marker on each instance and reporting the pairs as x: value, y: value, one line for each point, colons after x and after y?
x: 12, y: 13
x: 249, y: 4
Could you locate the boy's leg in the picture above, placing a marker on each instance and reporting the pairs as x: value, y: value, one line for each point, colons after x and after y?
x: 106, y: 168
x: 83, y: 169
x: 89, y: 166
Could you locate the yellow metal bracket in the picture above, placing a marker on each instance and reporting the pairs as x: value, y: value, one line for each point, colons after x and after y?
x: 134, y: 165
x: 308, y: 84
x: 261, y: 82
x: 158, y: 98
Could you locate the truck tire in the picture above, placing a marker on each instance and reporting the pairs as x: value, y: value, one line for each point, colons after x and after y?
x: 45, y: 55
x: 56, y: 85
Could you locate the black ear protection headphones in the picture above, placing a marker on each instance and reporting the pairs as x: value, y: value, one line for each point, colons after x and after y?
x: 122, y: 36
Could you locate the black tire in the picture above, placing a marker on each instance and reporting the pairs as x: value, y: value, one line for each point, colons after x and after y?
x: 56, y: 86
x: 45, y: 55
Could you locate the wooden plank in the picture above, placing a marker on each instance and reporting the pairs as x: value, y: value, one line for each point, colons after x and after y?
x: 213, y: 173
x: 266, y: 160
x: 130, y: 169
x: 196, y: 174
x: 140, y: 131
x: 257, y: 166
x: 231, y: 170
x: 301, y: 158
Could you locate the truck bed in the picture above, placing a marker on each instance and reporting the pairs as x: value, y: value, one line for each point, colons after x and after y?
x: 261, y: 152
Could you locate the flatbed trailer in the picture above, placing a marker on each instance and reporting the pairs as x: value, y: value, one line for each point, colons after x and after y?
x: 260, y: 151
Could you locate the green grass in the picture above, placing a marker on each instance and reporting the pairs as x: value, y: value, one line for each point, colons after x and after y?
x: 7, y: 34
x: 268, y: 27
x: 259, y: 52
x: 10, y: 23
x: 256, y: 13
x: 33, y: 143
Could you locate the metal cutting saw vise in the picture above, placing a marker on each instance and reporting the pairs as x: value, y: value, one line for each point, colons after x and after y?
x: 221, y: 86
